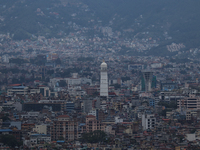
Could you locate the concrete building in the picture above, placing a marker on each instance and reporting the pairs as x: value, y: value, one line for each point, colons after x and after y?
x: 147, y: 75
x: 5, y: 58
x: 45, y: 91
x: 64, y: 128
x: 87, y: 105
x: 191, y: 102
x: 93, y: 124
x: 70, y: 106
x: 38, y: 139
x: 18, y: 90
x: 148, y: 121
x: 41, y: 129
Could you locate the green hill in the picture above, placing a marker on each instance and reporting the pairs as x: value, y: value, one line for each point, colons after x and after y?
x: 178, y: 17
x: 54, y: 18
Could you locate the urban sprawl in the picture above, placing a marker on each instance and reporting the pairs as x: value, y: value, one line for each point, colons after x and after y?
x: 51, y: 97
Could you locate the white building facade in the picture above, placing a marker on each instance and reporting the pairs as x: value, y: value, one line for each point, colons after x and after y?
x: 148, y: 121
x: 104, y: 80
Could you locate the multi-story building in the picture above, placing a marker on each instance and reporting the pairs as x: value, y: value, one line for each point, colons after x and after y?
x: 65, y: 128
x: 27, y: 126
x: 39, y: 106
x: 41, y: 129
x: 39, y: 139
x: 70, y: 106
x: 45, y: 91
x: 191, y: 102
x: 19, y: 90
x: 93, y: 124
x: 148, y: 121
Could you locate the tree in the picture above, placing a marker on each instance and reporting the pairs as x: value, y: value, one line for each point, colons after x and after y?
x: 125, y: 78
x: 5, y: 118
x: 163, y: 112
x: 58, y: 61
x: 9, y: 140
x: 62, y: 83
x: 133, y: 71
x: 94, y: 137
x: 61, y: 138
x: 117, y: 86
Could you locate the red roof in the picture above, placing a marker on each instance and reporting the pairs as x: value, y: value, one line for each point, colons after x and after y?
x: 14, y: 84
x: 41, y: 85
x: 63, y: 116
x: 91, y: 116
x: 165, y: 119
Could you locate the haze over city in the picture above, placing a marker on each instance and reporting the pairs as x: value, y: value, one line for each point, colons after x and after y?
x: 99, y: 74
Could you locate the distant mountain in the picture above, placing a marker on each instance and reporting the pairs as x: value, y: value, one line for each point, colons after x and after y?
x: 170, y: 21
x: 179, y: 18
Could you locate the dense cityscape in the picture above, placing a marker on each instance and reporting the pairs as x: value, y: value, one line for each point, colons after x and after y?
x: 51, y: 99
x: 80, y: 83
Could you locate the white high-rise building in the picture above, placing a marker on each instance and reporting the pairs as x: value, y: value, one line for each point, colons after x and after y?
x: 104, y: 80
x: 148, y: 121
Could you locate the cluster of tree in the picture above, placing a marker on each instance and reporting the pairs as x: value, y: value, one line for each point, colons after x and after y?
x: 171, y: 104
x: 180, y: 60
x: 39, y: 62
x: 125, y: 78
x: 24, y: 20
x: 67, y: 72
x: 182, y: 24
x: 117, y: 86
x: 93, y: 137
x: 13, y: 70
x: 18, y: 61
x: 5, y: 117
x: 9, y: 140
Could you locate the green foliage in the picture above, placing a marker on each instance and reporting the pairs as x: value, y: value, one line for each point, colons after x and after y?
x: 193, y: 131
x: 61, y: 138
x: 182, y: 23
x: 180, y: 60
x: 169, y: 66
x: 180, y: 18
x: 50, y: 72
x: 125, y: 78
x: 163, y: 112
x: 168, y: 105
x: 67, y: 72
x: 117, y: 86
x: 58, y: 61
x: 93, y: 137
x: 5, y: 118
x: 18, y: 61
x: 62, y: 83
x: 38, y: 62
x: 95, y: 93
x: 133, y: 71
x: 9, y: 140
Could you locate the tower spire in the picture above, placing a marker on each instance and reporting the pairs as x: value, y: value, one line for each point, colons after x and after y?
x: 104, y: 80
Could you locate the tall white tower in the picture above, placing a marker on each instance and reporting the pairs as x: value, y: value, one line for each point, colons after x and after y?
x: 104, y: 80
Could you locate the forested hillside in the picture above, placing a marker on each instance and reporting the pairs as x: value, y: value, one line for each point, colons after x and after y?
x: 53, y: 18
